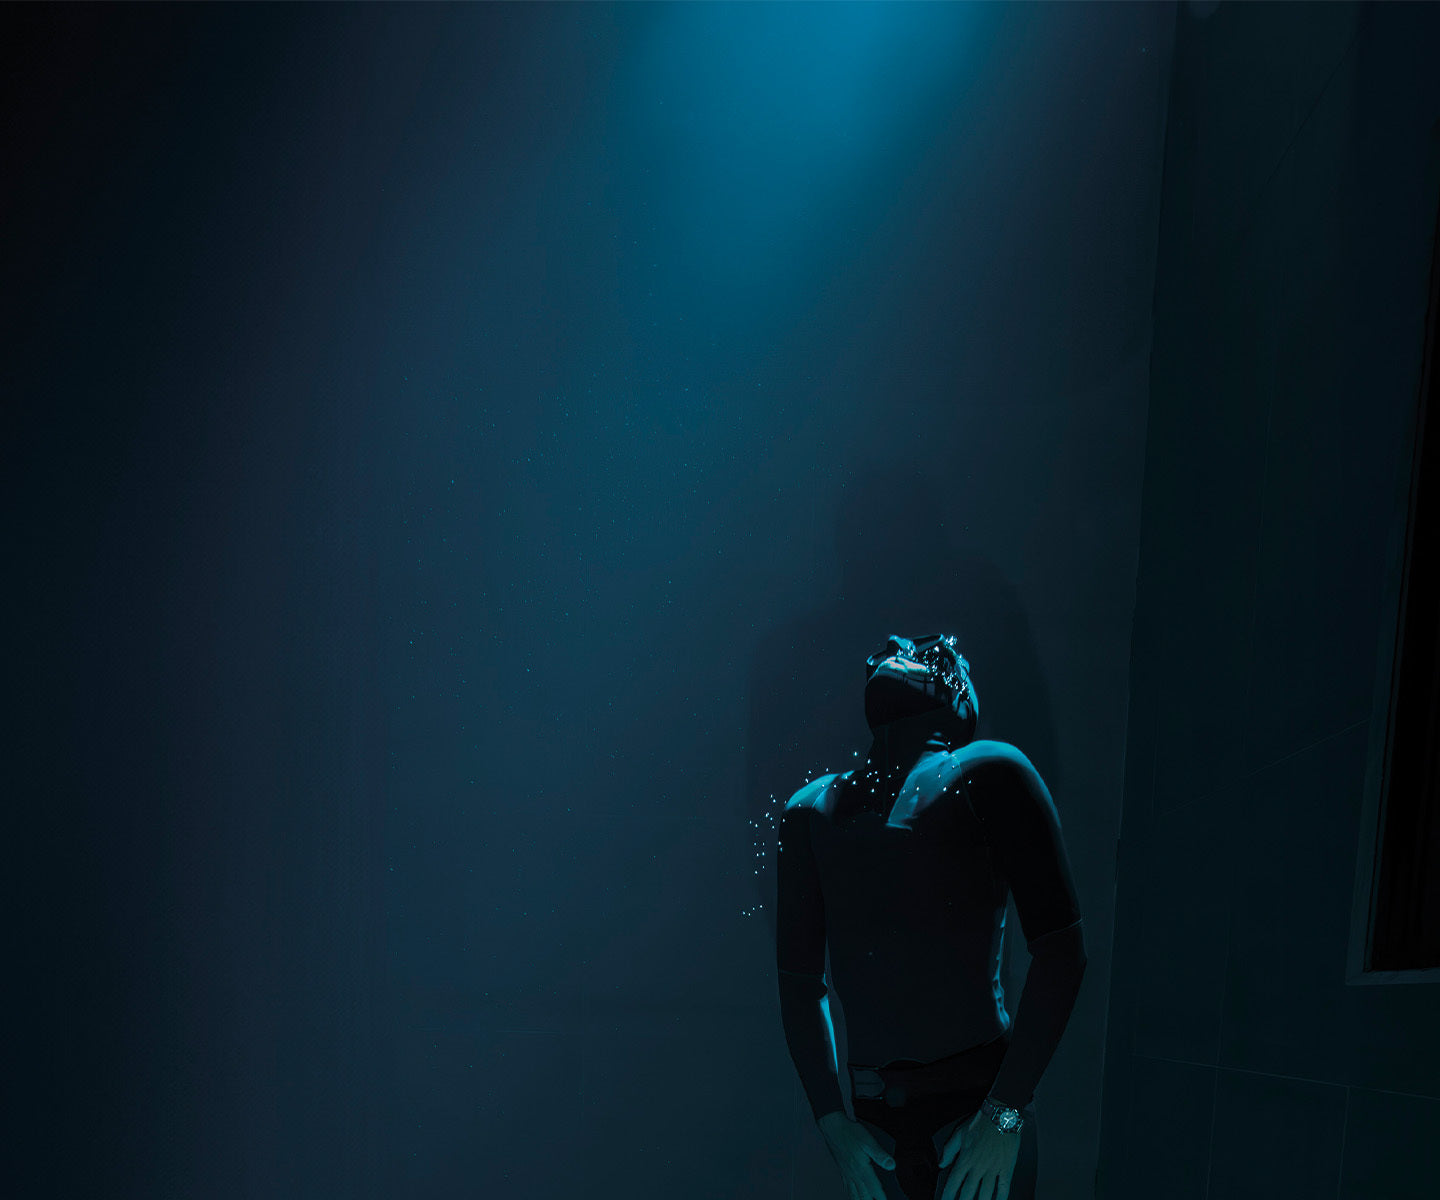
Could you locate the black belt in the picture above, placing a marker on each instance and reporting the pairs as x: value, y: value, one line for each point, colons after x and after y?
x: 971, y: 1070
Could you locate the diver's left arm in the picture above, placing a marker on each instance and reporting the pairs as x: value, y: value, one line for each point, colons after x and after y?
x: 1023, y: 829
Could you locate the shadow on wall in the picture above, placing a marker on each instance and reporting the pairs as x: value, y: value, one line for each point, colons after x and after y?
x: 900, y: 572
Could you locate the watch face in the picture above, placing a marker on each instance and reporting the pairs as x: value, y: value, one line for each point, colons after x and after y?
x: 1004, y: 1119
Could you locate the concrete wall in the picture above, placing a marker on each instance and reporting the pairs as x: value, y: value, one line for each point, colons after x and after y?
x: 1298, y: 212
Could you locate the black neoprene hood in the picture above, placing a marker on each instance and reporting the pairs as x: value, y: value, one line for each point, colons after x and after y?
x: 909, y: 676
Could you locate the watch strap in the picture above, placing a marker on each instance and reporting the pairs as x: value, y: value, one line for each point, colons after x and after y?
x: 1007, y: 1120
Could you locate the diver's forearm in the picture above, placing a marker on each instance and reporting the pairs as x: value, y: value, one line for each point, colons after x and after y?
x: 1048, y: 997
x: 810, y: 1040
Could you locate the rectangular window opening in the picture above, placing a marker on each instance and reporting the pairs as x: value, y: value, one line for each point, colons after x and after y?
x: 1398, y: 884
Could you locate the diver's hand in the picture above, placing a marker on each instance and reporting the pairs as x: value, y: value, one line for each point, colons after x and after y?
x: 985, y: 1162
x: 856, y: 1152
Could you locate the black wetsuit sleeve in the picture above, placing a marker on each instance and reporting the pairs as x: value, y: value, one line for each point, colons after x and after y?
x: 800, y: 963
x: 1023, y: 829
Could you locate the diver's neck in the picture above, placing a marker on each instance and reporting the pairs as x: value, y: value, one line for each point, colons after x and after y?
x: 901, y: 742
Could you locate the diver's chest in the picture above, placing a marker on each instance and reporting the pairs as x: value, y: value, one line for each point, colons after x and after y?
x: 869, y: 855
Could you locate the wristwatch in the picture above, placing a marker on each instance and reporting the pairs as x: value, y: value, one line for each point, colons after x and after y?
x: 1006, y: 1120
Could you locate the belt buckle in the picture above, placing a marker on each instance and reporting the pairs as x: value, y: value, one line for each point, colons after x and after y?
x: 867, y: 1084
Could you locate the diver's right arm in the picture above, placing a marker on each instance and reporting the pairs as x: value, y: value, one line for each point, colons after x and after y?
x: 800, y: 959
x: 800, y: 963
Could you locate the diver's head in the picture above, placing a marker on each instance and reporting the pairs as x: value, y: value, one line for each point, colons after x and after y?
x: 908, y: 677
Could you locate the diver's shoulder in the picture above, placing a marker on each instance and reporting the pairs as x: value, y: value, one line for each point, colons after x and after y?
x: 811, y: 795
x: 990, y: 764
x: 985, y: 753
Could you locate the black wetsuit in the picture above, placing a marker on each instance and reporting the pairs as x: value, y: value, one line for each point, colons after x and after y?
x: 907, y: 885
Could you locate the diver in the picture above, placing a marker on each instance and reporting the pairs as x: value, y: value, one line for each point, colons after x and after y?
x: 902, y: 869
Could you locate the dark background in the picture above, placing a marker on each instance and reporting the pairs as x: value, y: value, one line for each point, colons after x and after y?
x: 1245, y: 1054
x: 457, y: 459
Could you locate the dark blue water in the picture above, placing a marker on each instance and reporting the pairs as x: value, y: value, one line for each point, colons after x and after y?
x: 457, y: 461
